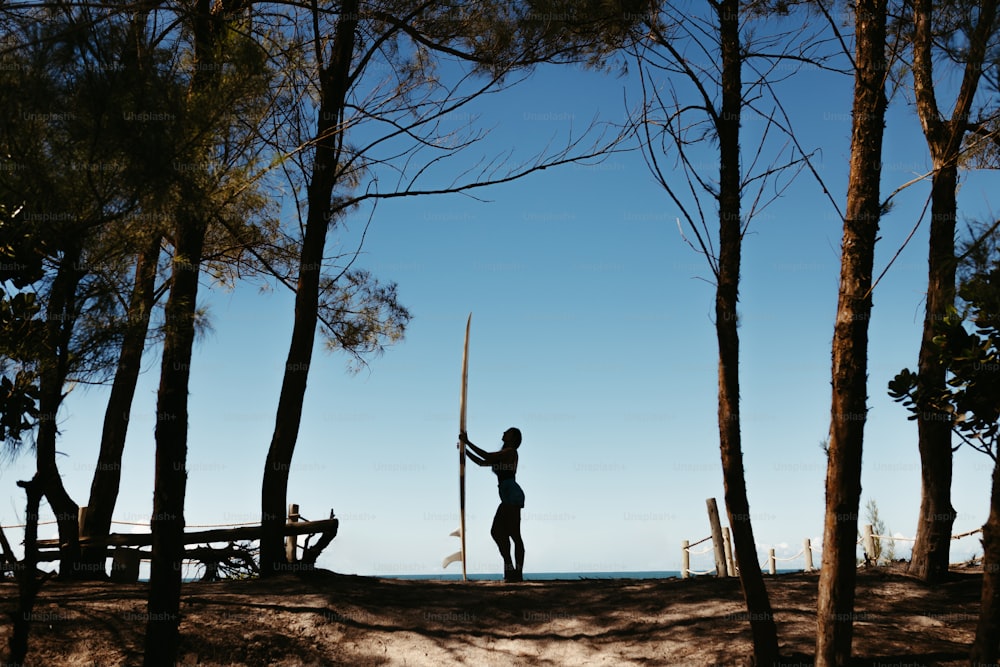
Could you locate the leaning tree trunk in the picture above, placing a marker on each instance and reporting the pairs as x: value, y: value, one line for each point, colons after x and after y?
x: 61, y: 318
x: 107, y: 474
x: 986, y: 646
x: 763, y: 630
x: 170, y: 484
x: 334, y: 83
x: 930, y: 558
x: 835, y: 622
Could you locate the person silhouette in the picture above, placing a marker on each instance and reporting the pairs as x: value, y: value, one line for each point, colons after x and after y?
x: 507, y: 521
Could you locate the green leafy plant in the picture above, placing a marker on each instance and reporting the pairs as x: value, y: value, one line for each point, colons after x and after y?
x: 884, y: 546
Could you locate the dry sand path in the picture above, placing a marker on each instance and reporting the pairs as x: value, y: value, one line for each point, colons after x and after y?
x: 329, y: 619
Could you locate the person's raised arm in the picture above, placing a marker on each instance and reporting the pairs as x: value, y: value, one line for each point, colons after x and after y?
x: 487, y: 458
x: 477, y: 450
x: 476, y: 459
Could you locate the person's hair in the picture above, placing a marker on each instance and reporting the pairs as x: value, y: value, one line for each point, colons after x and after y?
x: 516, y: 432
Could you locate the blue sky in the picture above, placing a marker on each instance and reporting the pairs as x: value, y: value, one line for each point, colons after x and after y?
x: 592, y: 332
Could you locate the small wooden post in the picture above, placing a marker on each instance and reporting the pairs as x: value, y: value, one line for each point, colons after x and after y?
x: 125, y: 565
x: 728, y: 547
x: 720, y: 553
x: 808, y: 550
x: 81, y: 517
x: 869, y: 545
x: 685, y: 559
x: 772, y: 566
x: 290, y: 542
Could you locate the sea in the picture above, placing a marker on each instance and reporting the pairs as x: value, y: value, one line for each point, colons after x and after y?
x: 531, y: 576
x: 551, y: 576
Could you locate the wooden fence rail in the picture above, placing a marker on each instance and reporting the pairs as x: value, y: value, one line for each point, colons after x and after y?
x: 198, y: 537
x: 127, y: 554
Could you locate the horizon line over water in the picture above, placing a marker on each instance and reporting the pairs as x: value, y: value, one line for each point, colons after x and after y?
x: 551, y: 576
x: 530, y: 576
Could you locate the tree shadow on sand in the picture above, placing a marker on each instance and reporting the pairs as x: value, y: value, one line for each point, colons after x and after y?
x: 329, y: 619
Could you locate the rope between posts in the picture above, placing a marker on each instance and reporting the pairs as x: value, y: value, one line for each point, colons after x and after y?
x: 700, y: 572
x: 892, y: 537
x: 23, y: 525
x: 199, y: 525
x: 971, y: 532
x: 703, y: 551
x: 146, y: 524
x: 704, y: 539
x: 196, y: 525
x: 225, y: 525
x: 801, y: 553
x: 913, y: 539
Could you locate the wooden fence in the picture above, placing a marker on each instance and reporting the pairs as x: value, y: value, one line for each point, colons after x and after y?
x: 127, y: 553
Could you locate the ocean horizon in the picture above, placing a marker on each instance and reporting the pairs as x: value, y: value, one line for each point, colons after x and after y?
x: 553, y: 576
x: 528, y: 576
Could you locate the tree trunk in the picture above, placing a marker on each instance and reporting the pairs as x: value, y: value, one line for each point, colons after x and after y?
x: 61, y: 318
x: 107, y: 474
x: 835, y: 615
x: 931, y: 549
x: 334, y: 84
x: 170, y: 484
x: 986, y: 646
x: 28, y: 581
x: 930, y: 558
x: 763, y: 630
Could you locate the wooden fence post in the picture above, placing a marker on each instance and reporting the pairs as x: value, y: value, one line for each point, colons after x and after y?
x: 81, y: 517
x: 869, y: 545
x: 807, y: 549
x: 685, y: 559
x: 728, y: 547
x: 720, y: 553
x: 772, y: 566
x: 291, y: 541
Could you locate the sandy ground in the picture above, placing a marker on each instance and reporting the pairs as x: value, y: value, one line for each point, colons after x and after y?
x: 331, y: 619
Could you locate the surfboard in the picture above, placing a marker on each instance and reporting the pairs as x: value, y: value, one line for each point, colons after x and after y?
x: 460, y: 533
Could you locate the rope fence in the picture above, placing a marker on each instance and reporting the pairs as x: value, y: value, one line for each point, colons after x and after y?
x: 726, y: 566
x: 145, y: 524
x: 703, y: 551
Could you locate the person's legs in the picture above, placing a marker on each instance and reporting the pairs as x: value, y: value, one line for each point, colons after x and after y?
x: 507, y: 528
x: 515, y: 535
x: 501, y: 535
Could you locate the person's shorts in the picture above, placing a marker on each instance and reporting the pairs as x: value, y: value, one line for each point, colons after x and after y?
x: 511, y: 493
